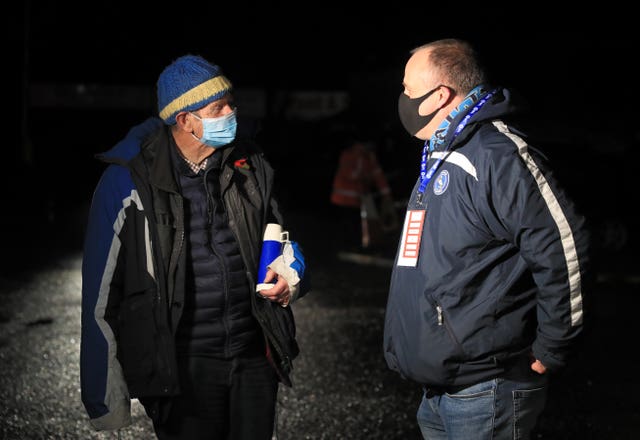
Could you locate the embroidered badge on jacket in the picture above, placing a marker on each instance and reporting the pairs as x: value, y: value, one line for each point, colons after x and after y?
x: 441, y: 183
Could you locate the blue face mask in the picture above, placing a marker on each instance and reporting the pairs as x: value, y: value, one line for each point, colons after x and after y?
x: 218, y: 132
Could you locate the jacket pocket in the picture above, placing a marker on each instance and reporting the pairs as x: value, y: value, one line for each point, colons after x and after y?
x: 136, y: 336
x: 166, y: 227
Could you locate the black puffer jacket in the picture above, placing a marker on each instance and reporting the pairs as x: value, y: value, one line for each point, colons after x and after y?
x: 216, y: 315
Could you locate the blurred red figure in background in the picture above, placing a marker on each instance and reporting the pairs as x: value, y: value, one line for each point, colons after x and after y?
x: 359, y: 187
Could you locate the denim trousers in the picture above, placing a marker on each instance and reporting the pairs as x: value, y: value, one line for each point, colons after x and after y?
x: 498, y: 409
x: 222, y: 400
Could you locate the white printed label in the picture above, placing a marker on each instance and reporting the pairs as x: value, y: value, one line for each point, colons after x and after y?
x: 411, y: 235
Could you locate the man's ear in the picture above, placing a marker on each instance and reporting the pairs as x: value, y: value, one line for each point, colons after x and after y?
x: 445, y: 95
x: 184, y: 122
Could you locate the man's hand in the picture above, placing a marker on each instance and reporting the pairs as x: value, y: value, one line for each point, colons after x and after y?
x: 279, y: 293
x: 537, y: 366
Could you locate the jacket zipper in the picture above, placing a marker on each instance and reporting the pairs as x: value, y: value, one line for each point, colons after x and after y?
x: 211, y: 211
x: 443, y: 322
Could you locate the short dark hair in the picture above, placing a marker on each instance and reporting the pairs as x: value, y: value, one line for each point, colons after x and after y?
x: 456, y: 63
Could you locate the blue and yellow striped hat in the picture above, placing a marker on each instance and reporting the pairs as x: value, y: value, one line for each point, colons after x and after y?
x: 187, y: 84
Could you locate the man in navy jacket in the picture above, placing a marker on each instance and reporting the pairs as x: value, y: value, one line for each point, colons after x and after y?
x: 486, y: 295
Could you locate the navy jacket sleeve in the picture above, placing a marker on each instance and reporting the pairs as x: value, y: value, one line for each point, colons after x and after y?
x: 543, y: 222
x: 103, y: 389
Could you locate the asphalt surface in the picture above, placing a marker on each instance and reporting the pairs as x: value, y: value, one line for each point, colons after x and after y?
x: 342, y: 388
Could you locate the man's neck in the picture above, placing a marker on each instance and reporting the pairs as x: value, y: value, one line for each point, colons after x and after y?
x: 190, y: 148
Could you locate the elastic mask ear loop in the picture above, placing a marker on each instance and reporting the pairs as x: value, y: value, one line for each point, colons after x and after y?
x: 193, y: 131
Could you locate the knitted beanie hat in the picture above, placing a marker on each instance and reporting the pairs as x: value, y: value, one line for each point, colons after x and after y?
x: 187, y: 84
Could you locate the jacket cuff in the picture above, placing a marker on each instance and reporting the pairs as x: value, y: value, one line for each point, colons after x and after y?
x: 552, y: 361
x: 119, y: 417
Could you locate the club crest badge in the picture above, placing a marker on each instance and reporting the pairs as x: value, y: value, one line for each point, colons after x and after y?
x: 441, y: 183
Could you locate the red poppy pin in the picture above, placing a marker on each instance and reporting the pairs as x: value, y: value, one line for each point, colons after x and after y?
x: 241, y: 163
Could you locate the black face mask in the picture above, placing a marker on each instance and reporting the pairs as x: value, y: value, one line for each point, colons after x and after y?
x: 412, y: 121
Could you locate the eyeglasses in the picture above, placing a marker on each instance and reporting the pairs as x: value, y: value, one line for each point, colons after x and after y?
x: 215, y: 109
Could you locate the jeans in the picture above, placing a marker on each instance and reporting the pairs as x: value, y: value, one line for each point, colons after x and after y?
x: 222, y: 400
x: 498, y: 409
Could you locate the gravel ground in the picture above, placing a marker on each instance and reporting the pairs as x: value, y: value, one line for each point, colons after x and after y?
x: 342, y: 388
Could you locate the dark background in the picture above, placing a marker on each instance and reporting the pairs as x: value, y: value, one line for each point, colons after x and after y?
x: 77, y: 76
x: 80, y: 75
